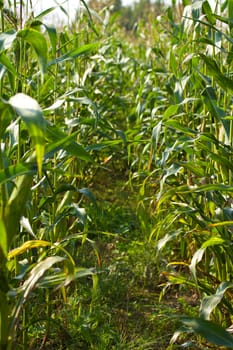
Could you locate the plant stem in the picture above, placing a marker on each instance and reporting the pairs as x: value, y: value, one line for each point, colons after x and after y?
x: 3, y: 303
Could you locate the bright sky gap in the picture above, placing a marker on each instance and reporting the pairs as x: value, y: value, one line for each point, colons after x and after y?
x: 71, y: 6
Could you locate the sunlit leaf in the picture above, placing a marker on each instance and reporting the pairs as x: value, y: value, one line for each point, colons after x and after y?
x: 60, y: 278
x: 3, y: 238
x: 27, y: 246
x: 209, y: 303
x: 213, y: 241
x: 197, y: 257
x: 31, y: 113
x: 30, y: 283
x: 222, y: 223
x: 167, y: 238
x: 25, y: 223
x: 171, y: 110
x: 156, y: 134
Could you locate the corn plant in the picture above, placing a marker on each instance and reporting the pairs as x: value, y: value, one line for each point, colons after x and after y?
x: 193, y: 200
x: 35, y: 158
x: 108, y: 138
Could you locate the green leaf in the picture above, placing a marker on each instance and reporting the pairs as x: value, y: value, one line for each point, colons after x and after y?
x: 31, y: 113
x: 230, y: 13
x: 208, y: 12
x: 210, y: 302
x: 213, y: 68
x: 7, y: 115
x: 219, y: 114
x: 45, y: 12
x: 30, y: 283
x: 87, y: 193
x: 61, y: 278
x: 176, y: 125
x: 52, y: 32
x: 39, y: 44
x: 3, y: 238
x: 80, y: 213
x: 4, y: 60
x: 64, y: 188
x: 156, y: 132
x: 209, y: 138
x: 16, y: 205
x: 83, y: 50
x: 212, y: 332
x: 197, y: 257
x: 194, y: 167
x: 57, y: 104
x: 213, y: 187
x: 213, y: 241
x: 222, y: 161
x: 170, y: 111
x: 59, y: 140
x: 13, y: 171
x: 222, y: 223
x: 171, y: 236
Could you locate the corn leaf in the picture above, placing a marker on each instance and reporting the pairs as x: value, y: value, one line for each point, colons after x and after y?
x: 13, y: 171
x: 208, y: 12
x: 83, y: 50
x: 3, y: 238
x: 4, y: 60
x: 219, y: 114
x: 213, y: 68
x: 30, y: 283
x: 61, y: 278
x: 210, y: 302
x: 212, y: 332
x: 52, y: 32
x: 27, y: 246
x: 213, y: 241
x: 176, y: 125
x: 230, y: 13
x: 38, y: 43
x: 59, y: 140
x: 15, y: 205
x: 197, y: 257
x: 31, y: 113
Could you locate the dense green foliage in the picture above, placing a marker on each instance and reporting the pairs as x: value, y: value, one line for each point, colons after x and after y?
x: 116, y: 179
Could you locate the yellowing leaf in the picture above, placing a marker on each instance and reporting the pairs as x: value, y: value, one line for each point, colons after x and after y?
x: 26, y: 246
